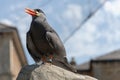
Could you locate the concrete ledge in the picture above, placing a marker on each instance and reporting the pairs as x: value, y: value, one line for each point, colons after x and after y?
x: 49, y: 72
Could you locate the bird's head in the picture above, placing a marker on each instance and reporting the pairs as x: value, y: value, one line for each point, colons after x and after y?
x: 34, y: 12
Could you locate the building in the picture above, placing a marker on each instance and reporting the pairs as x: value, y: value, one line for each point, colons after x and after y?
x: 12, y: 57
x: 106, y: 67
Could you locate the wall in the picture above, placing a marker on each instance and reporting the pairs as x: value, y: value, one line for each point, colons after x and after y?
x: 9, y: 60
x: 14, y: 61
x: 106, y: 70
x: 4, y: 57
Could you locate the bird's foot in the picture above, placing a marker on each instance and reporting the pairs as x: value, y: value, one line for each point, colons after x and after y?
x: 49, y: 61
x: 43, y: 60
x: 50, y: 58
x: 39, y: 63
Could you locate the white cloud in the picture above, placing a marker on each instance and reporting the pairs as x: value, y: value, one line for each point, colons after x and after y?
x: 101, y: 1
x: 103, y: 26
x: 86, y: 41
x: 91, y: 28
x: 113, y: 7
x: 73, y: 11
x: 6, y: 21
x: 17, y: 6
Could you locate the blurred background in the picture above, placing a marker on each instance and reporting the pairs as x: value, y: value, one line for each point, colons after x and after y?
x: 89, y: 29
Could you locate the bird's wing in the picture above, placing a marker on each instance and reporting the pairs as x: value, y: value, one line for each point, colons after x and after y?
x: 31, y: 48
x: 52, y: 39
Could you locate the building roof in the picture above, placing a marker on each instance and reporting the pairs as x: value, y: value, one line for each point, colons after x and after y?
x: 114, y: 55
x: 111, y: 56
x: 6, y: 29
x: 84, y: 66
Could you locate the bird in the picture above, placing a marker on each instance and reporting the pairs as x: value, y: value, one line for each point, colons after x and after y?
x: 43, y: 42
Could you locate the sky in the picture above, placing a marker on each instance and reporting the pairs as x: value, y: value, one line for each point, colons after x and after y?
x: 98, y: 36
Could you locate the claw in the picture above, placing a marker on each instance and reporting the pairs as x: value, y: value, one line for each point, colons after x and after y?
x: 39, y: 63
x: 51, y: 58
x: 43, y: 60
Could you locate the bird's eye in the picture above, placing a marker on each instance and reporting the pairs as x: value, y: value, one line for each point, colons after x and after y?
x: 37, y: 12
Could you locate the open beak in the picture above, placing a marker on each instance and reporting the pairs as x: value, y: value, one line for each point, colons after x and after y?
x: 30, y: 11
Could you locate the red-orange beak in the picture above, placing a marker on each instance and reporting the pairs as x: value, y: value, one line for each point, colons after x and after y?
x: 30, y: 11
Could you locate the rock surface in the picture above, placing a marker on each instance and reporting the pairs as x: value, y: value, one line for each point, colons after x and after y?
x: 49, y: 72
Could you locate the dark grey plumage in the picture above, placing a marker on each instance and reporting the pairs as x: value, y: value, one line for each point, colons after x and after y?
x: 43, y: 41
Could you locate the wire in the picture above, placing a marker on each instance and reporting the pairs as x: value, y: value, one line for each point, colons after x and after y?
x: 82, y: 23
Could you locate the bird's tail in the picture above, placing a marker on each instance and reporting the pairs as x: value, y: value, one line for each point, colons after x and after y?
x: 63, y: 63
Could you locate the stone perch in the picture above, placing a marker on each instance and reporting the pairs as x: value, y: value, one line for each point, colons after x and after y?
x: 49, y: 72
